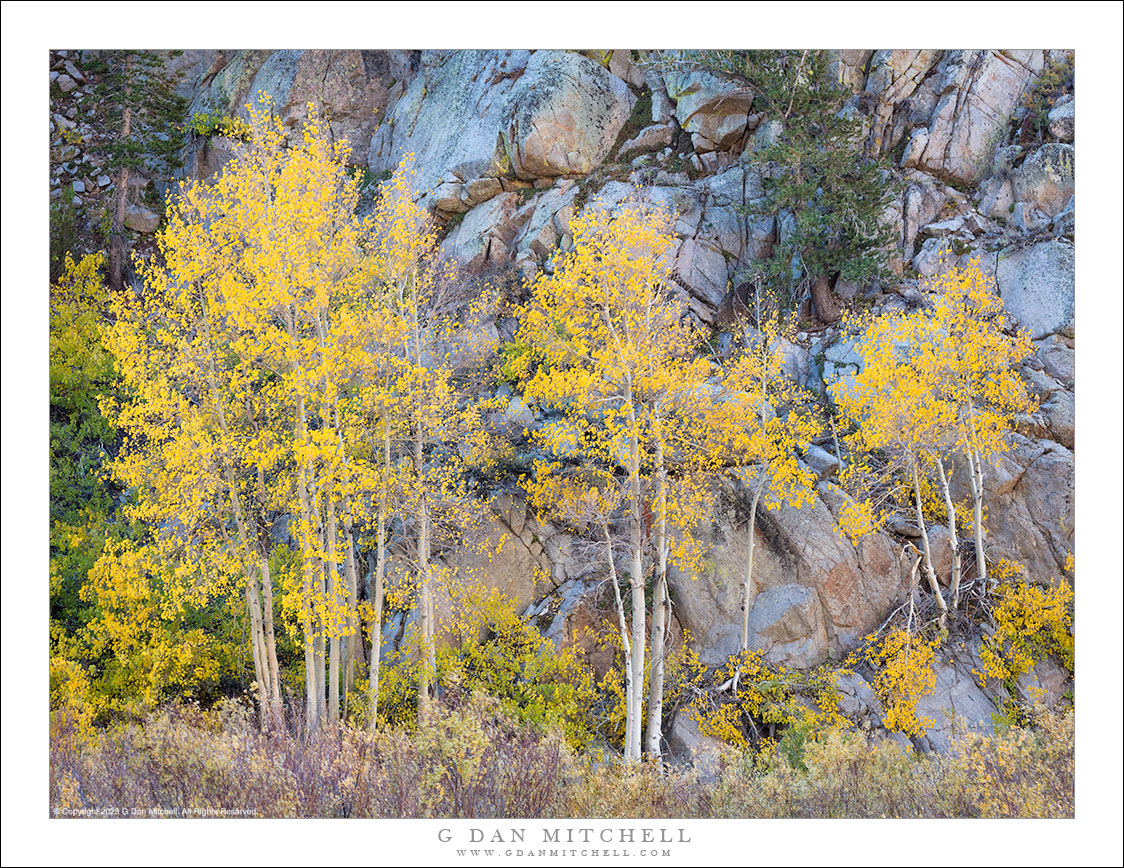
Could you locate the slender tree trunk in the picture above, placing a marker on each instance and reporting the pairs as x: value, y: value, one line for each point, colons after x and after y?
x: 351, y: 604
x: 639, y: 615
x: 262, y: 674
x: 322, y: 625
x: 747, y: 585
x: 975, y: 480
x: 751, y: 539
x: 257, y: 645
x: 661, y: 607
x: 913, y: 577
x: 349, y: 647
x: 630, y: 711
x: 117, y: 234
x: 428, y: 663
x: 312, y: 694
x: 953, y: 541
x: 380, y: 573
x: 930, y: 573
x: 312, y: 707
x: 270, y: 641
x: 335, y: 617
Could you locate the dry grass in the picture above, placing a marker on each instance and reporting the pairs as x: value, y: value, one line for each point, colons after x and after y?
x: 470, y: 760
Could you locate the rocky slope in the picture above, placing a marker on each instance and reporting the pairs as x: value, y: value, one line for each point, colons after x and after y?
x: 510, y: 145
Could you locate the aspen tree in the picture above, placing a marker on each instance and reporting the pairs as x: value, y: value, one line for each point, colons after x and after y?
x: 406, y: 250
x: 429, y: 330
x: 938, y: 383
x: 892, y: 403
x: 257, y: 317
x: 191, y: 423
x: 975, y: 363
x: 617, y: 362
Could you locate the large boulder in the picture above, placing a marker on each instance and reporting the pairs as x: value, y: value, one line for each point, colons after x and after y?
x: 452, y: 116
x: 1057, y: 357
x: 702, y: 269
x: 487, y: 232
x: 1036, y: 285
x: 787, y: 623
x: 1030, y: 507
x: 816, y: 593
x: 470, y: 114
x: 1061, y: 119
x: 714, y: 111
x: 351, y: 89
x: 955, y: 704
x: 566, y: 115
x: 1028, y: 493
x: 688, y: 745
x: 505, y: 560
x: 978, y: 91
x: 1045, y: 179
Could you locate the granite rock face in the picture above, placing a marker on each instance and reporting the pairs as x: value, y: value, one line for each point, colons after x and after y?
x: 350, y: 88
x: 815, y: 592
x: 471, y: 114
x: 1037, y: 287
x: 976, y: 94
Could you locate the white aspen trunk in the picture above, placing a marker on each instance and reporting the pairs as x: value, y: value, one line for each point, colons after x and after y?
x: 351, y: 604
x: 312, y: 693
x: 380, y: 572
x: 751, y: 534
x: 312, y: 708
x: 333, y: 579
x: 913, y: 577
x: 349, y: 582
x: 930, y: 573
x: 630, y: 712
x: 428, y: 662
x: 953, y: 541
x: 257, y: 646
x: 661, y: 608
x: 304, y: 479
x: 320, y: 645
x: 262, y: 675
x: 975, y: 479
x: 271, y: 642
x: 747, y: 582
x: 639, y: 613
